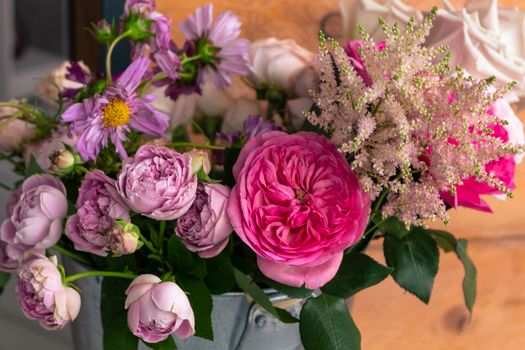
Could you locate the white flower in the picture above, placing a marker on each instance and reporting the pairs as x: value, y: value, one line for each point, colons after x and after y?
x: 278, y: 62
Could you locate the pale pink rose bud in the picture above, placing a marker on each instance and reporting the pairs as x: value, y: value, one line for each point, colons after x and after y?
x: 124, y: 238
x: 199, y: 160
x: 63, y: 162
x: 157, y: 309
x: 42, y: 294
x: 13, y: 133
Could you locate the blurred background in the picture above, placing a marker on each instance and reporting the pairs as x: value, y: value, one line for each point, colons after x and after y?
x: 36, y: 36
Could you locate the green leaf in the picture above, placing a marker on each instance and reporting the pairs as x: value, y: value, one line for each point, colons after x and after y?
x: 445, y: 240
x: 327, y: 324
x: 114, y: 317
x: 394, y: 226
x: 357, y: 272
x: 230, y: 157
x: 415, y: 259
x: 220, y: 278
x: 251, y: 288
x: 469, y: 281
x: 201, y: 303
x: 184, y: 261
x: 4, y: 278
x: 168, y: 344
x: 307, y: 126
x: 33, y: 167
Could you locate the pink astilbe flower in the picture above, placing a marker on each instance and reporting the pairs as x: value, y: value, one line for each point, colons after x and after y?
x: 411, y: 127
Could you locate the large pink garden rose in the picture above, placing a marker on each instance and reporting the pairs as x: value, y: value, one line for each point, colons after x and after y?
x: 298, y: 205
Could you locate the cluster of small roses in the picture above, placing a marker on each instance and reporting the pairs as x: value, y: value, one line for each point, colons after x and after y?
x: 399, y: 123
x: 158, y: 183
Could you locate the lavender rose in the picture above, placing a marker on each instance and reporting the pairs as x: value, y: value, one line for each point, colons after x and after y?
x: 98, y: 205
x: 158, y: 182
x: 157, y: 309
x: 205, y: 228
x: 43, y: 296
x: 35, y: 222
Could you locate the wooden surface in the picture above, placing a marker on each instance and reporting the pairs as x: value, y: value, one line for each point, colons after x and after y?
x: 388, y: 317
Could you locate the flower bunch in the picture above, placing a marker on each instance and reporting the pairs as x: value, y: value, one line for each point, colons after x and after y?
x: 217, y: 166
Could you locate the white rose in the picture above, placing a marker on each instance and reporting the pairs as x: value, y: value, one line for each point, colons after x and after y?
x: 514, y: 127
x: 366, y: 12
x: 13, y: 133
x: 278, y: 62
x: 49, y: 88
x: 238, y: 112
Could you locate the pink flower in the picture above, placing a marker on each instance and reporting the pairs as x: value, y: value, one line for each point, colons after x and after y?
x: 43, y: 296
x: 298, y: 205
x: 35, y: 222
x: 352, y: 50
x: 205, y: 228
x: 98, y: 205
x: 158, y: 182
x: 157, y: 309
x: 15, y: 133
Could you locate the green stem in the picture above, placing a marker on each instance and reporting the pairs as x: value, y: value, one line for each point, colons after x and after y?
x: 195, y: 145
x: 5, y: 187
x: 110, y: 52
x: 78, y: 276
x: 147, y: 243
x: 189, y: 59
x: 71, y: 255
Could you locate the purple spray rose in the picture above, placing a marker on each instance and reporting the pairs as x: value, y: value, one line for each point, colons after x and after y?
x: 158, y: 182
x: 157, y: 309
x: 98, y: 205
x: 205, y: 228
x: 35, y: 222
x: 43, y: 296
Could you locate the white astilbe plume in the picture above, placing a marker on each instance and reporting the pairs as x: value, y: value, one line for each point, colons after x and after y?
x: 418, y: 130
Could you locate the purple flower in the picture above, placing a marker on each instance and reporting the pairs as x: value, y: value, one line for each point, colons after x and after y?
x: 35, y: 222
x: 43, y: 296
x: 217, y: 44
x: 98, y: 206
x: 158, y: 182
x: 139, y: 6
x: 253, y: 126
x: 205, y: 228
x: 157, y: 309
x: 111, y: 115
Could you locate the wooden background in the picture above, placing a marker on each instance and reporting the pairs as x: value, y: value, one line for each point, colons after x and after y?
x: 388, y: 317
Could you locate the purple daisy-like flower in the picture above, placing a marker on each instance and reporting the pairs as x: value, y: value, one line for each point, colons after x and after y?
x: 221, y: 52
x: 114, y: 113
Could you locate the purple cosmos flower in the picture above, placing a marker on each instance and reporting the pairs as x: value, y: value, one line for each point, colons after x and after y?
x: 114, y: 113
x: 216, y: 42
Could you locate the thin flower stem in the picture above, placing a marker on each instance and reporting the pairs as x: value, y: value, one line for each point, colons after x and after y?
x: 71, y: 255
x: 147, y: 243
x: 4, y: 186
x: 78, y: 276
x: 189, y: 59
x: 195, y: 145
x: 162, y: 229
x: 110, y: 52
x: 11, y: 119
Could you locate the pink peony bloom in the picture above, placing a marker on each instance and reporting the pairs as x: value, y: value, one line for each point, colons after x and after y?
x: 205, y: 228
x: 157, y: 309
x: 298, y: 205
x: 98, y: 206
x: 35, y: 223
x: 158, y: 182
x: 43, y: 296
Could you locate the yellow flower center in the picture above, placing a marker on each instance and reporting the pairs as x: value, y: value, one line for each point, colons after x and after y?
x: 116, y: 113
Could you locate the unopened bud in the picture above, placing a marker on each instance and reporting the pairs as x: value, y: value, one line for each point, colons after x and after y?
x: 199, y: 160
x: 124, y: 238
x: 62, y: 162
x: 104, y: 32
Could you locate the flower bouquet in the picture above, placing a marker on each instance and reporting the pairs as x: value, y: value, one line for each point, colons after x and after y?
x: 219, y: 165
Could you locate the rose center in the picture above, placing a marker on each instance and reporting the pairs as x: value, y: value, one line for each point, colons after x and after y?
x: 116, y: 113
x: 300, y: 195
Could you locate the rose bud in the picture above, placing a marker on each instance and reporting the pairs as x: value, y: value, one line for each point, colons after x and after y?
x: 43, y: 296
x: 36, y: 219
x: 124, y: 238
x: 199, y: 160
x: 205, y: 228
x: 62, y: 162
x: 157, y: 309
x: 158, y: 182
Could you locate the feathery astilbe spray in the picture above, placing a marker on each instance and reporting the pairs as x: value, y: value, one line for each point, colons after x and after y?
x: 417, y: 130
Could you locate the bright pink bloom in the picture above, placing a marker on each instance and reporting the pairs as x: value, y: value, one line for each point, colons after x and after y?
x: 298, y: 205
x: 352, y: 50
